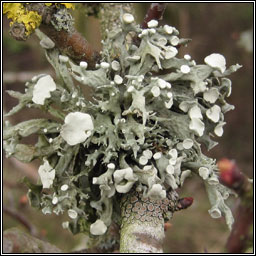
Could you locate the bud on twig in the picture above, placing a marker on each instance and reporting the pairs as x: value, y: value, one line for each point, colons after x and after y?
x: 230, y: 175
x: 184, y: 203
x: 155, y: 12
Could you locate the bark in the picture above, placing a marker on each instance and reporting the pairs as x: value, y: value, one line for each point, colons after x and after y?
x: 22, y: 219
x: 155, y: 12
x: 17, y: 241
x: 240, y: 237
x: 67, y: 40
x: 142, y: 227
x: 72, y: 44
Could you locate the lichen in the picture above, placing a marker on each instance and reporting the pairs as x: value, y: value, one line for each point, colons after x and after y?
x: 18, y: 14
x: 145, y: 131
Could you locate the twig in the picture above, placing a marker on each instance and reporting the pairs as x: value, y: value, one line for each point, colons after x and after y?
x: 22, y: 77
x: 20, y: 218
x: 142, y: 225
x: 230, y: 176
x: 17, y: 241
x: 12, y: 185
x: 73, y: 44
x: 155, y: 12
x: 239, y: 239
x: 184, y: 203
x: 68, y: 40
x: 29, y: 170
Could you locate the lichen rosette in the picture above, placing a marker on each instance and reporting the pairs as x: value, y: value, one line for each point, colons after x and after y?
x: 142, y: 128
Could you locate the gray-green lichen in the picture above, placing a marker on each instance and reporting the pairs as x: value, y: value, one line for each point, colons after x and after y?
x: 142, y: 129
x: 63, y: 20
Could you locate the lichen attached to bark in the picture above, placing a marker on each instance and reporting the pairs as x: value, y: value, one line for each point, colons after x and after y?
x: 146, y: 126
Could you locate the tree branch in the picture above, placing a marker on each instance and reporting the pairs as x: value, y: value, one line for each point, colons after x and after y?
x: 17, y: 241
x: 58, y: 26
x: 230, y: 176
x: 23, y: 76
x: 155, y: 12
x: 72, y: 44
x: 20, y: 218
x: 142, y: 227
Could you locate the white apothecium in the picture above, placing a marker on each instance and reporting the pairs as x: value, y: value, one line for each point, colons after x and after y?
x: 118, y: 79
x: 213, y: 113
x: 204, y: 172
x: 197, y: 126
x: 115, y: 65
x: 187, y: 143
x: 77, y: 128
x: 152, y: 23
x: 168, y: 29
x: 185, y: 69
x: 128, y: 18
x: 216, y: 60
x: 195, y: 112
x: 170, y: 52
x: 83, y: 64
x: 98, y: 228
x: 42, y: 89
x: 155, y: 91
x: 211, y: 95
x: 72, y: 214
x: 47, y: 174
x: 218, y: 130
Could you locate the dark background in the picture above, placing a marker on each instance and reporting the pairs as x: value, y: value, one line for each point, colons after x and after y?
x: 213, y: 28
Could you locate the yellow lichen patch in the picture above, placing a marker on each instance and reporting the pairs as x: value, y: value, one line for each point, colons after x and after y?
x: 12, y: 9
x: 17, y: 13
x: 69, y: 5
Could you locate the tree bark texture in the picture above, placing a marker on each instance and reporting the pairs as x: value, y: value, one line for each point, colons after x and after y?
x: 66, y: 39
x: 142, y: 227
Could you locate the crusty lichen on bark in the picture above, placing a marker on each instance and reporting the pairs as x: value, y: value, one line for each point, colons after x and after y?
x: 142, y: 224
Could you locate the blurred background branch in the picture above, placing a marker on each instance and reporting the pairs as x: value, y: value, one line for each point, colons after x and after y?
x: 241, y: 237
